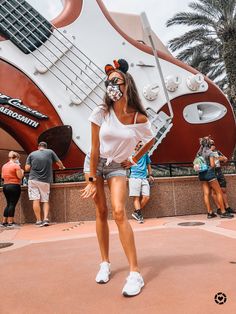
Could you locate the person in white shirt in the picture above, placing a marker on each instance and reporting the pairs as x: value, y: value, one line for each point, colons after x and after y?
x: 114, y: 137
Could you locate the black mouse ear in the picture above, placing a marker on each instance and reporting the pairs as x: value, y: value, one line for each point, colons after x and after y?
x: 108, y: 69
x: 121, y: 65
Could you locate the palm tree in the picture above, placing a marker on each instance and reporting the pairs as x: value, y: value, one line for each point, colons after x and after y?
x: 211, y: 45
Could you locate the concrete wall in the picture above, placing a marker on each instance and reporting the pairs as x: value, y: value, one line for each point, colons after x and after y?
x: 169, y: 197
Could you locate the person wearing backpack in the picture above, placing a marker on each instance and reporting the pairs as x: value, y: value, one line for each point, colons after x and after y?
x: 209, y: 179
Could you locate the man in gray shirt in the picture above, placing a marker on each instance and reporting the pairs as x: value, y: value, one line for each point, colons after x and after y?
x: 39, y: 163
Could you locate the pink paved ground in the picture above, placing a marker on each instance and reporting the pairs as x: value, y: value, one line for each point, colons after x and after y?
x: 51, y: 270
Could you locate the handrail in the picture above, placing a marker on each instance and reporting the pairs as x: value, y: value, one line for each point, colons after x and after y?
x: 166, y: 169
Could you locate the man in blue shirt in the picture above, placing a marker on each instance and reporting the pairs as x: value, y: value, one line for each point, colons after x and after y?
x: 139, y: 187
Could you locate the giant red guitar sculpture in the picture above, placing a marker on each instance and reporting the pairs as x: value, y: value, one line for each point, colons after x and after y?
x: 51, y: 78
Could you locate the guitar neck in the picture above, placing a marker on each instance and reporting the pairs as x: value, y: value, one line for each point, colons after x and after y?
x: 23, y: 25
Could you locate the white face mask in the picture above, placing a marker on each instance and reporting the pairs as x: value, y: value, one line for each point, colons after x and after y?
x: 114, y: 92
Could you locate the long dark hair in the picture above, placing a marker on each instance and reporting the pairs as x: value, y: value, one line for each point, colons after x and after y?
x: 133, y: 99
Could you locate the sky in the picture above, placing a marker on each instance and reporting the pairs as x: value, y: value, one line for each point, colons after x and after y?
x: 158, y: 12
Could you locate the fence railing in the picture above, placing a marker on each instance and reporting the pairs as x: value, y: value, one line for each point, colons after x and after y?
x: 159, y: 170
x: 186, y: 169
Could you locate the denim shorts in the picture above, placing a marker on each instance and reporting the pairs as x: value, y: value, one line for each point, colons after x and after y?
x: 208, y: 175
x: 114, y: 169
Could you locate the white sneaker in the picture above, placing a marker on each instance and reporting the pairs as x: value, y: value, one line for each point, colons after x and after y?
x: 104, y: 273
x: 134, y: 284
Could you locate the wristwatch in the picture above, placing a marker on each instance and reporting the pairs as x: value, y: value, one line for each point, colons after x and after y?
x: 92, y: 179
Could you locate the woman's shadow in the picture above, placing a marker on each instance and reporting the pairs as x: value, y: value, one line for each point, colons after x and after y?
x: 151, y: 266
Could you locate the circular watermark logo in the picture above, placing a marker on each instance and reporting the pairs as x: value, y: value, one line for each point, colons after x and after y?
x: 220, y: 298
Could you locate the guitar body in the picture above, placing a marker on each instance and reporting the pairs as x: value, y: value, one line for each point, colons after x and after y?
x: 62, y: 90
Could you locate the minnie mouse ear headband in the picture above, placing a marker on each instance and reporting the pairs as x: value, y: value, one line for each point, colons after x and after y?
x: 121, y: 65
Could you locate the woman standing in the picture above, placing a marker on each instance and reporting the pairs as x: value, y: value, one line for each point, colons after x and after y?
x: 12, y: 175
x: 116, y: 128
x: 209, y: 179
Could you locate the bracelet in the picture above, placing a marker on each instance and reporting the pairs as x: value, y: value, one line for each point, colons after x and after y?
x: 130, y: 159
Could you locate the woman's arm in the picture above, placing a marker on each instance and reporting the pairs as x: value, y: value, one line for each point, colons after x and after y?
x: 222, y: 158
x: 145, y: 148
x: 90, y: 190
x: 95, y: 148
x: 20, y: 173
x: 212, y: 161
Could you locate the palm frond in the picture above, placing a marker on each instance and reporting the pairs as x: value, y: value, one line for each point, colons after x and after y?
x: 222, y: 83
x: 201, y: 50
x: 204, y: 47
x: 205, y: 10
x: 190, y: 19
x: 216, y: 71
x: 213, y: 5
x: 188, y: 38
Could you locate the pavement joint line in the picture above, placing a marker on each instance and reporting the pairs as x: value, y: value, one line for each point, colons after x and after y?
x: 93, y: 234
x: 17, y: 244
x: 74, y: 226
x: 220, y: 231
x: 210, y: 226
x: 8, y: 234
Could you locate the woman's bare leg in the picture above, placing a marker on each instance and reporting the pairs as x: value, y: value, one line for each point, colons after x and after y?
x: 206, y: 196
x: 118, y: 188
x: 102, y: 228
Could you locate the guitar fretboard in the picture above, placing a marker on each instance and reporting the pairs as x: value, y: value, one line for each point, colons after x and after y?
x: 23, y: 25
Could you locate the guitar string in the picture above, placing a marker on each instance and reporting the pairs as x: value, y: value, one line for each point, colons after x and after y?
x: 64, y: 54
x: 47, y: 66
x: 76, y: 75
x: 76, y: 48
x: 51, y: 71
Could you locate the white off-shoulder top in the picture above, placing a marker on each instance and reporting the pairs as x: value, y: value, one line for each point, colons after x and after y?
x: 118, y: 140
